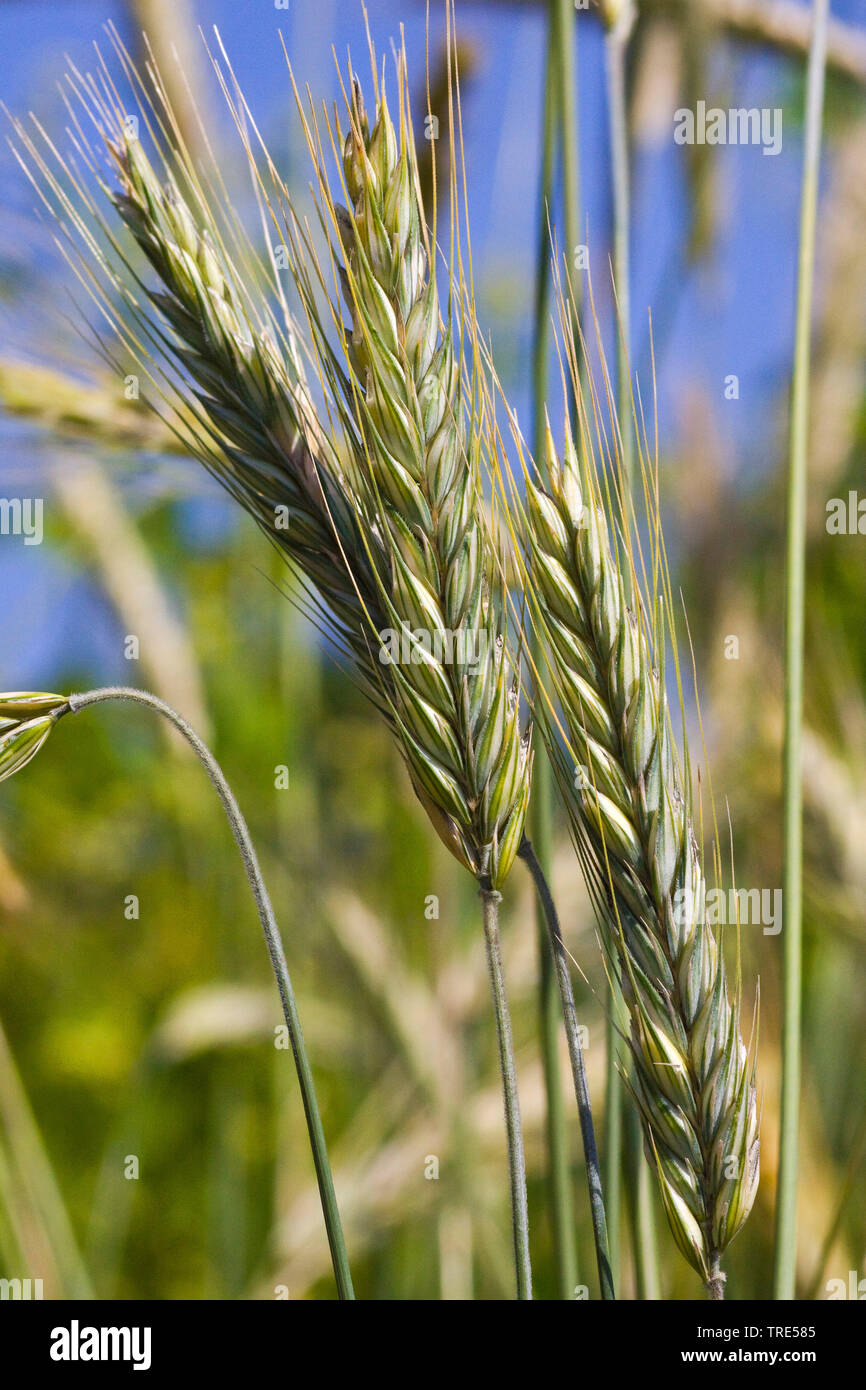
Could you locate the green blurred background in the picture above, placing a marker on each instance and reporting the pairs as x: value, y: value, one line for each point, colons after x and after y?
x: 153, y: 1036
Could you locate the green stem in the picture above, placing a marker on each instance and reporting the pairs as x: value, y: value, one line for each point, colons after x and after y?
x: 795, y: 582
x: 490, y: 900
x: 616, y: 44
x: 541, y: 806
x: 613, y: 1112
x: 578, y: 1071
x: 564, y: 34
x: 641, y: 1212
x: 275, y: 951
x: 716, y: 1281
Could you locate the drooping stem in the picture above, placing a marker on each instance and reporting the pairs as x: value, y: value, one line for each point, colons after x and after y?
x: 541, y: 805
x: 490, y: 900
x: 795, y: 584
x: 274, y: 944
x: 578, y: 1071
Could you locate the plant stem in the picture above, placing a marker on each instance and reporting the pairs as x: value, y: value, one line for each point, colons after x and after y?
x: 613, y: 1157
x: 490, y: 900
x: 641, y: 1211
x: 578, y: 1071
x: 564, y: 35
x: 275, y: 951
x: 639, y: 1203
x: 616, y: 44
x: 716, y: 1281
x: 795, y: 583
x: 615, y: 65
x: 541, y: 805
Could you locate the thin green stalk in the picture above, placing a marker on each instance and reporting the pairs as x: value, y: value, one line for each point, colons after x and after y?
x: 795, y: 584
x: 613, y: 1157
x: 616, y: 45
x: 578, y: 1071
x: 563, y: 14
x: 490, y: 900
x: 620, y: 20
x: 615, y: 66
x: 541, y: 805
x: 564, y: 32
x: 275, y: 951
x: 641, y: 1212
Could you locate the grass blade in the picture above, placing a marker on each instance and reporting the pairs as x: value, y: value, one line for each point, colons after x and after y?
x: 795, y: 585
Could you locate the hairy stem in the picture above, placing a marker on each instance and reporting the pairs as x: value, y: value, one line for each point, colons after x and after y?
x: 490, y: 900
x: 578, y: 1071
x: 716, y: 1281
x: 274, y: 943
x: 795, y: 574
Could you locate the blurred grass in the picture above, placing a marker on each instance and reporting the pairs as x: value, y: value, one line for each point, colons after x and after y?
x: 85, y: 992
x: 155, y: 1037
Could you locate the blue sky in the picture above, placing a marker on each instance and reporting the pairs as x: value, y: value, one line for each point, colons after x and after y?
x: 733, y: 315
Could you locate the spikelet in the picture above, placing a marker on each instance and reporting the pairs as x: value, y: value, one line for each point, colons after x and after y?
x: 418, y: 447
x: 26, y: 720
x: 629, y: 804
x: 385, y: 525
x: 252, y: 391
x: 206, y: 337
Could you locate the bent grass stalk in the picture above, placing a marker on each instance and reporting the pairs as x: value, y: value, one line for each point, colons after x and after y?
x: 58, y: 706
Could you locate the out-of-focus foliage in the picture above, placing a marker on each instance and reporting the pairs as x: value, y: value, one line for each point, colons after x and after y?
x: 136, y: 1003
